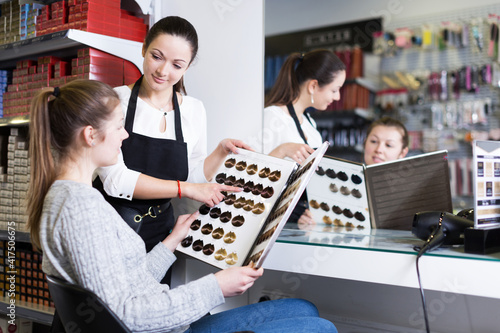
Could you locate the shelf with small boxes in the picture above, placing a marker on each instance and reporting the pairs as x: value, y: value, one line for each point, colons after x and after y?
x: 71, y: 42
x: 22, y: 282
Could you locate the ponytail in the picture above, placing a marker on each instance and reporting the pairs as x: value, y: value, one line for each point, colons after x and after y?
x: 286, y: 88
x: 42, y: 172
x: 56, y: 117
x: 321, y: 65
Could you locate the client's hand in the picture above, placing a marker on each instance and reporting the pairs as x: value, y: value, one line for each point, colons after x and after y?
x: 306, y: 218
x: 208, y: 193
x: 180, y: 230
x: 236, y: 280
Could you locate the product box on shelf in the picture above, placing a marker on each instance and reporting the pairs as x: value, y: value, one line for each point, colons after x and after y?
x: 242, y: 229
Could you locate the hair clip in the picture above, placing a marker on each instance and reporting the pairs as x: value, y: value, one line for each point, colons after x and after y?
x: 56, y: 92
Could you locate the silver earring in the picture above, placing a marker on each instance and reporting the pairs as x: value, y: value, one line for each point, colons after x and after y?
x: 93, y: 143
x: 312, y: 99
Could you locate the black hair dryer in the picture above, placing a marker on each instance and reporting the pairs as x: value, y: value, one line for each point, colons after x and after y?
x: 440, y: 228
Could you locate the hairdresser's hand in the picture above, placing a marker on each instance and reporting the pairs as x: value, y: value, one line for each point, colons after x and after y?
x: 208, y: 193
x: 236, y: 280
x: 306, y: 219
x: 231, y: 146
x: 296, y: 151
x: 180, y: 230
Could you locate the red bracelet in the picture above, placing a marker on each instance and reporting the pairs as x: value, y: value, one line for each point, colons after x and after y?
x: 179, y: 189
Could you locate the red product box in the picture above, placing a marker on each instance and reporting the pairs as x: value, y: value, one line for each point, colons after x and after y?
x: 62, y: 68
x: 19, y: 64
x: 110, y: 61
x: 132, y: 25
x: 95, y: 69
x: 28, y: 63
x: 113, y: 18
x: 32, y: 69
x: 137, y: 37
x: 51, y: 60
x: 102, y: 28
x: 12, y: 87
x: 77, y: 8
x: 112, y: 80
x: 74, y: 62
x: 104, y: 6
x: 82, y: 53
x: 115, y: 4
x: 75, y: 25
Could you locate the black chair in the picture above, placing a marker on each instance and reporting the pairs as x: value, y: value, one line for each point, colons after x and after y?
x: 81, y: 310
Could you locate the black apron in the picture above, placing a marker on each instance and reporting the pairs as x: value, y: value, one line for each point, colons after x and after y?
x: 303, y: 202
x: 159, y: 158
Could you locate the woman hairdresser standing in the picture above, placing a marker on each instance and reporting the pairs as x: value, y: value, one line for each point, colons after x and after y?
x: 167, y: 143
x: 304, y: 81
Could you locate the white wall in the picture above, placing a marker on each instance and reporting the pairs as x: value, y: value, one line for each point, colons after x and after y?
x: 228, y: 75
x: 284, y: 16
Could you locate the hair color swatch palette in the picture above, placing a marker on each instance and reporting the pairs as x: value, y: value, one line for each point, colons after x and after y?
x: 337, y: 195
x: 243, y: 227
x: 385, y: 195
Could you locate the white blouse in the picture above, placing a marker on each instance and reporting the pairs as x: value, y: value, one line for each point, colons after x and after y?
x: 119, y: 181
x: 280, y: 128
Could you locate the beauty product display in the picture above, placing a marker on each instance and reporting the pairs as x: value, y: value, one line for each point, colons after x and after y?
x: 486, y: 156
x: 243, y: 227
x: 386, y: 195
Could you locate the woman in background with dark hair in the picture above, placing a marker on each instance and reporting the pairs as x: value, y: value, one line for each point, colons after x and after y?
x: 168, y: 138
x: 311, y: 80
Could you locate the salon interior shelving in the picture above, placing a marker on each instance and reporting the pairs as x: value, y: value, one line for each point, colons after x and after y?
x: 40, y: 314
x: 65, y: 45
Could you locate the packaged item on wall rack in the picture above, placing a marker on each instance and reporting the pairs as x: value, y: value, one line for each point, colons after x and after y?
x: 242, y: 228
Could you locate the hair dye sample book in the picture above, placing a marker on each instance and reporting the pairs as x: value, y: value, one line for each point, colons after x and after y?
x: 242, y: 228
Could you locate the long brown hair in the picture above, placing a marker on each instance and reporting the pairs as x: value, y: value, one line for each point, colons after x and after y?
x: 179, y: 27
x: 57, y: 114
x: 321, y: 65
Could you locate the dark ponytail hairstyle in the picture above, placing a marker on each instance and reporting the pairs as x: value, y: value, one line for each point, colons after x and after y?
x: 56, y: 117
x: 179, y: 27
x: 321, y: 65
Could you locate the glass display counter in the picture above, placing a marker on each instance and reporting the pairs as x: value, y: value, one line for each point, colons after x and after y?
x: 384, y: 257
x: 393, y: 241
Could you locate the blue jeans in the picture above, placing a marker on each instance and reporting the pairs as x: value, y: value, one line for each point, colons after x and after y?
x: 284, y: 315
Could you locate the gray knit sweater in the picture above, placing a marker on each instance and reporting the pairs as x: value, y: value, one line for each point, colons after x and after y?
x: 85, y: 241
